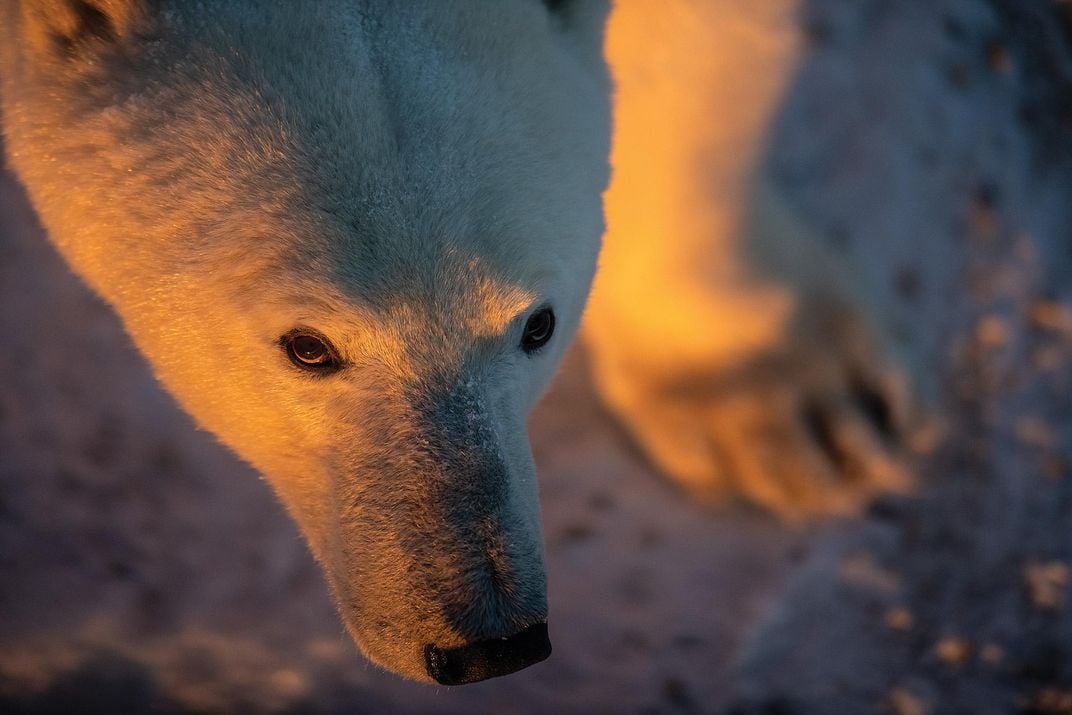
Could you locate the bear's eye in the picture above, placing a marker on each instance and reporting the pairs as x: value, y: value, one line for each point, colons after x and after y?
x: 538, y: 330
x: 310, y: 351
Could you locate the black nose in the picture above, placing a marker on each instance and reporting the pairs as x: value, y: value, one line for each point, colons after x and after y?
x: 488, y: 659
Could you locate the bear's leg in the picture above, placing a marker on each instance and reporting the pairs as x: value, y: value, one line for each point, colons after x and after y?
x: 730, y: 342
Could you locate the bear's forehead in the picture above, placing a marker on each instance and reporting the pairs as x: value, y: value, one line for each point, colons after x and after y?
x: 368, y: 148
x: 382, y: 155
x: 444, y: 305
x: 462, y: 292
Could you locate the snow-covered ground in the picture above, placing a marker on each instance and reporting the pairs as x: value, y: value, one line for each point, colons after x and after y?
x: 143, y: 567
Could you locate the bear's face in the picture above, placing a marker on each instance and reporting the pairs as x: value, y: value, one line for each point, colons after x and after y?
x: 354, y: 240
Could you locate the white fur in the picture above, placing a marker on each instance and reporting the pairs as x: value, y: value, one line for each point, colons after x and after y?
x: 412, y: 180
x: 726, y: 337
x: 392, y: 175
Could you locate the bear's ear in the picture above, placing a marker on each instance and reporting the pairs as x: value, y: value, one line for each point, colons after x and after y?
x: 71, y: 27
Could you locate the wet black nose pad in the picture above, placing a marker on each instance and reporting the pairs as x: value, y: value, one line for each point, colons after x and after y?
x: 488, y: 659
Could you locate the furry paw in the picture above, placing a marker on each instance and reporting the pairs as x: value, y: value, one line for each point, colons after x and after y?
x: 811, y: 426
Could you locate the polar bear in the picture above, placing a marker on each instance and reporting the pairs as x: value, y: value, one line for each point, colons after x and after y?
x: 354, y: 237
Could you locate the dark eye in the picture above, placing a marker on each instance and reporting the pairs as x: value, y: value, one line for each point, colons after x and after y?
x: 309, y: 351
x: 538, y: 330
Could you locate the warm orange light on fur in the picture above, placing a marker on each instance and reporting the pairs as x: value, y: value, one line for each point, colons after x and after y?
x: 716, y: 320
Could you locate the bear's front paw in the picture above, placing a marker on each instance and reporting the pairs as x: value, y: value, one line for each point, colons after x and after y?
x: 814, y: 424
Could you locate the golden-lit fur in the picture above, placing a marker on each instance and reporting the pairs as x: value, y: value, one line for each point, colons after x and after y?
x: 411, y: 180
x: 393, y: 175
x: 725, y: 337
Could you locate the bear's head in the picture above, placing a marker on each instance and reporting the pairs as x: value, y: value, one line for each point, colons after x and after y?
x: 353, y: 238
